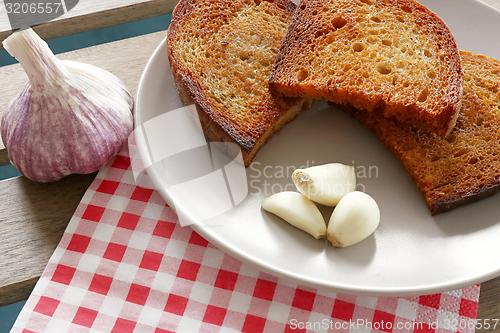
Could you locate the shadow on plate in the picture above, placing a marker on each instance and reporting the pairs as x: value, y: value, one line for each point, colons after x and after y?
x: 470, y: 218
x: 359, y: 255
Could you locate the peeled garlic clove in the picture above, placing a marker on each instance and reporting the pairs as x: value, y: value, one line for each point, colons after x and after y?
x: 297, y: 210
x: 355, y: 218
x: 325, y: 184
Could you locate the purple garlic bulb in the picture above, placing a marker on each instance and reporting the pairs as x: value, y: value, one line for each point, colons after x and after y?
x: 69, y: 118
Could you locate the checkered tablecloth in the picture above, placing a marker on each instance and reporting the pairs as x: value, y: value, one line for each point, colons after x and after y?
x: 124, y: 265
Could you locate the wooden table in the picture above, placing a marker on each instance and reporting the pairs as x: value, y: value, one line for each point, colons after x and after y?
x: 34, y: 216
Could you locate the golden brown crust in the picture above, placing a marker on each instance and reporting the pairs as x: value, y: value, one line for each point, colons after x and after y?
x: 465, y: 167
x: 357, y: 53
x: 214, y: 70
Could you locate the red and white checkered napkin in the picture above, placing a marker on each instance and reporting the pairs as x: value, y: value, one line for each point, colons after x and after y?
x: 123, y: 265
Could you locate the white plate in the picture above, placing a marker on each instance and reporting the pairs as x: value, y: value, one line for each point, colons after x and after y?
x: 412, y: 252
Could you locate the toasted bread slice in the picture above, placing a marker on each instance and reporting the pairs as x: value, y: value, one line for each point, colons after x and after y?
x: 466, y: 166
x: 394, y: 55
x: 221, y: 53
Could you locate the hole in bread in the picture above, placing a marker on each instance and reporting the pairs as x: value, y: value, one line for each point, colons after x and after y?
x: 303, y: 7
x: 375, y: 19
x: 406, y: 9
x: 387, y: 42
x: 400, y: 18
x: 394, y: 80
x: 368, y: 2
x: 451, y: 138
x: 358, y: 47
x: 244, y: 56
x: 424, y: 94
x: 431, y: 74
x: 339, y: 22
x: 371, y: 39
x: 329, y: 39
x: 460, y: 152
x: 302, y: 74
x: 315, y: 12
x: 473, y: 160
x: 406, y: 84
x: 319, y: 33
x: 427, y: 53
x: 384, y: 68
x: 265, y: 62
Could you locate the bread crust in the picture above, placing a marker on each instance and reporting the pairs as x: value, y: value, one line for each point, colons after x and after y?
x: 216, y: 123
x: 465, y: 167
x: 441, y: 120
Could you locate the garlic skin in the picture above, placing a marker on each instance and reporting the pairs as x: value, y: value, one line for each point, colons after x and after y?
x: 325, y: 184
x: 298, y: 211
x: 355, y: 218
x: 69, y: 118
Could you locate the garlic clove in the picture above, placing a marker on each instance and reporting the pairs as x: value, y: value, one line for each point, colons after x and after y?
x: 298, y: 211
x: 325, y: 184
x: 355, y: 218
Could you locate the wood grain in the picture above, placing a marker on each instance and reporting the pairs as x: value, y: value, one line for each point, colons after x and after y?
x: 32, y: 220
x: 125, y: 58
x: 92, y: 14
x: 4, y: 158
x: 489, y: 302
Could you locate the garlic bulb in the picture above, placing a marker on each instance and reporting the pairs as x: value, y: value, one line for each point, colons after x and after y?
x: 297, y: 210
x: 355, y: 218
x: 325, y: 184
x: 69, y: 118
